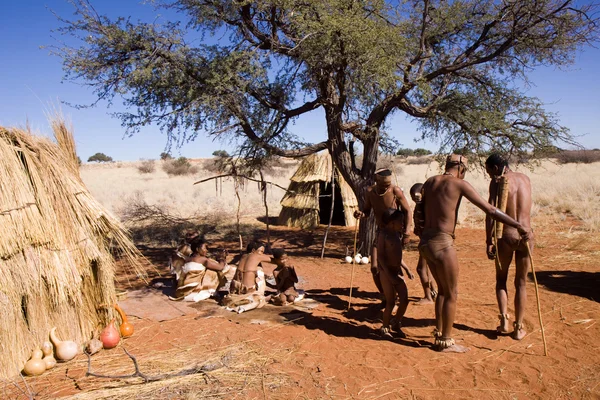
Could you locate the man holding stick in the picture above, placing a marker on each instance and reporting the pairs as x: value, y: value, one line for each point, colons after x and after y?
x: 380, y: 198
x: 441, y: 200
x: 509, y: 243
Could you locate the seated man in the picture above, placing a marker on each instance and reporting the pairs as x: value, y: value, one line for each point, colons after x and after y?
x: 285, y: 280
x: 391, y: 270
x: 200, y: 277
x: 247, y: 289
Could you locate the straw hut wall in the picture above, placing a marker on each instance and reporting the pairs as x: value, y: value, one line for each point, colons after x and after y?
x: 301, y: 205
x: 56, y: 265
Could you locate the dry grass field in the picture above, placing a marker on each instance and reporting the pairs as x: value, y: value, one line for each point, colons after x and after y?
x: 332, y: 352
x: 559, y: 191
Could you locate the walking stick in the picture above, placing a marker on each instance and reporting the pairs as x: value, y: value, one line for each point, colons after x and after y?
x: 537, y: 297
x: 353, y: 262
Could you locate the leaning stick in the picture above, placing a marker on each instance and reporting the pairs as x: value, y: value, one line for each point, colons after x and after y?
x: 353, y: 262
x: 537, y: 297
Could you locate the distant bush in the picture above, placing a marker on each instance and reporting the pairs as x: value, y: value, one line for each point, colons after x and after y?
x: 146, y: 167
x: 220, y: 153
x: 165, y: 156
x: 419, y: 160
x: 178, y: 167
x: 578, y: 156
x: 410, y: 152
x: 100, y: 157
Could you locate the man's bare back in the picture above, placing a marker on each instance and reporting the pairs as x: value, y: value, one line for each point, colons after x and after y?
x: 510, y: 245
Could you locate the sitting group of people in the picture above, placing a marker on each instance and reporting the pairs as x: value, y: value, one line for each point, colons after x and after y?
x: 199, y: 277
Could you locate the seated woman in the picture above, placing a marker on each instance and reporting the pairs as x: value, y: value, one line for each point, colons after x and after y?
x: 201, y: 277
x: 285, y: 280
x: 247, y: 289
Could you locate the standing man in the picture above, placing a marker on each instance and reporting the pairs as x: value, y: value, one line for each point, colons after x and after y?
x: 380, y: 198
x: 441, y: 200
x: 518, y: 207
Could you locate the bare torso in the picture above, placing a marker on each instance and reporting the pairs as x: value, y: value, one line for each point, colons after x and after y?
x: 519, y: 201
x: 393, y: 197
x: 441, y: 198
x: 247, y: 270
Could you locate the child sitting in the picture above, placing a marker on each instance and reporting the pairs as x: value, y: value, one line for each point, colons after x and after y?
x: 285, y: 280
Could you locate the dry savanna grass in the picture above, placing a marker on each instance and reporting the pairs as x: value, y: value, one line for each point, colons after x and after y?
x: 559, y: 191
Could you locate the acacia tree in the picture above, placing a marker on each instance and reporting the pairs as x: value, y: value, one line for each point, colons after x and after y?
x: 455, y: 67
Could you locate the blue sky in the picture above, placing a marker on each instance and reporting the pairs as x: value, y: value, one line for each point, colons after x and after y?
x: 31, y: 84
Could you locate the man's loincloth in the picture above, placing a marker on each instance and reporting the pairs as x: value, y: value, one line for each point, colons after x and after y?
x: 514, y: 244
x: 392, y: 268
x: 241, y: 295
x: 433, y: 242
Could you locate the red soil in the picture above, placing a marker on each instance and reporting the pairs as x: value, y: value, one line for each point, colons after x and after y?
x: 335, y: 353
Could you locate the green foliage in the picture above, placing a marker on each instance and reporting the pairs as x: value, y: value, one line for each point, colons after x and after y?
x: 178, y: 167
x: 220, y: 154
x: 100, y: 157
x: 454, y: 67
x: 165, y: 156
x: 410, y: 152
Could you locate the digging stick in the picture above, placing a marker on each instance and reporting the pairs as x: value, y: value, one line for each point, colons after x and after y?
x: 353, y: 262
x: 537, y: 297
x: 330, y: 213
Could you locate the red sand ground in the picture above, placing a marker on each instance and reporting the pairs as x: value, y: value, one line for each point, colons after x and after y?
x: 334, y: 354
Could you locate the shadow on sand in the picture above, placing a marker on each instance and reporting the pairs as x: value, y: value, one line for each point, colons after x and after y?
x: 578, y: 283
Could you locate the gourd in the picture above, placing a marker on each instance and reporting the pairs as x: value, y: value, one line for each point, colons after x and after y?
x: 35, y: 365
x: 65, y: 349
x: 48, y: 359
x: 126, y: 327
x: 110, y: 336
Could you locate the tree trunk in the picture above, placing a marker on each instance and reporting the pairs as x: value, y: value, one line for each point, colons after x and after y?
x: 366, y: 233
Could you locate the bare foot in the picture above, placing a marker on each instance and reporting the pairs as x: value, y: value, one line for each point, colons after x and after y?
x: 424, y: 301
x: 386, y: 332
x: 449, y: 346
x: 456, y: 348
x: 519, y: 333
x: 504, y: 324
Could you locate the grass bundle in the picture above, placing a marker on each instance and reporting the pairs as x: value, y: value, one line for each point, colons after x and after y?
x: 56, y: 247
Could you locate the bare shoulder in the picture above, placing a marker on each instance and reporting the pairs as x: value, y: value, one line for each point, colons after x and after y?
x: 398, y: 191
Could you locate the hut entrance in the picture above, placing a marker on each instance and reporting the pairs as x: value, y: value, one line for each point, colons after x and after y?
x: 325, y: 205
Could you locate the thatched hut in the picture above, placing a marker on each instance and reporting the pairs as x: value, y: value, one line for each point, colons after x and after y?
x: 56, y: 246
x: 308, y: 200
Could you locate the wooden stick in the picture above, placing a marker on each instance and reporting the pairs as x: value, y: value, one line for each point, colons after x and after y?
x: 330, y: 213
x: 353, y: 262
x: 537, y: 297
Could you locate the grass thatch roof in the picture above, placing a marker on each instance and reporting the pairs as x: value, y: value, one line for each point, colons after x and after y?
x: 56, y: 265
x: 300, y: 205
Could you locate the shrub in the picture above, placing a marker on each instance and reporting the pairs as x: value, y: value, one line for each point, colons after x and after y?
x: 410, y: 152
x: 419, y: 160
x: 220, y: 153
x: 165, y: 156
x: 178, y: 167
x: 146, y: 167
x: 578, y: 156
x: 100, y: 157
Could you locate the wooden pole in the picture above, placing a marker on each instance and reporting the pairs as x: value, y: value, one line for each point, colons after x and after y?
x: 263, y: 188
x: 330, y: 212
x: 353, y: 263
x: 537, y: 297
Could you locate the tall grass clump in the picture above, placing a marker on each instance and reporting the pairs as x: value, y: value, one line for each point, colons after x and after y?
x: 179, y: 167
x: 146, y: 167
